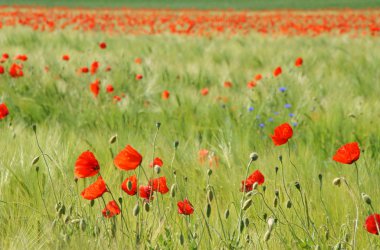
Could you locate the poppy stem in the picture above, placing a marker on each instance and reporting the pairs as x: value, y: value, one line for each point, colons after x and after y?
x: 357, y: 213
x: 357, y: 177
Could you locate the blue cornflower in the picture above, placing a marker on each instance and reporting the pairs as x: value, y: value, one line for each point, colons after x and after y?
x: 270, y: 119
x: 262, y: 125
x: 282, y: 89
x: 294, y: 124
x: 291, y: 115
x: 250, y: 109
x: 288, y: 105
x: 276, y: 113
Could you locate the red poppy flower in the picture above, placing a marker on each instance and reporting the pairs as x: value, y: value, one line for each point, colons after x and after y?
x: 227, y: 84
x: 282, y: 134
x: 109, y: 88
x: 21, y: 57
x: 146, y: 193
x: 204, y: 91
x: 348, y: 153
x: 133, y: 189
x: 185, y: 207
x: 298, y: 62
x: 256, y: 176
x: 372, y: 224
x: 202, y: 155
x: 86, y: 165
x: 84, y: 70
x: 251, y: 84
x: 16, y: 70
x: 138, y: 60
x: 95, y: 88
x: 128, y: 159
x: 66, y: 57
x: 103, y: 45
x: 1, y: 70
x: 4, y: 112
x: 165, y: 95
x: 139, y: 77
x: 258, y: 77
x: 277, y: 71
x: 116, y: 99
x: 95, y: 190
x: 111, y: 209
x: 159, y: 185
x: 94, y: 67
x: 5, y: 56
x: 156, y: 162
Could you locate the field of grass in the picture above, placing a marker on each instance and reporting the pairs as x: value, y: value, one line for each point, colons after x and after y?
x: 218, y: 4
x: 334, y: 100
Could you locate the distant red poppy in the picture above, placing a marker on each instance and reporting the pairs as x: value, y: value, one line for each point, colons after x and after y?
x: 84, y: 70
x: 372, y: 224
x: 108, y: 68
x: 185, y: 207
x: 138, y: 60
x: 128, y: 159
x: 111, y: 209
x: 95, y: 190
x: 102, y: 45
x: 109, y: 88
x: 95, y: 88
x: 277, y: 71
x: 204, y: 91
x: 139, y: 77
x: 146, y: 193
x: 159, y: 185
x: 202, y: 155
x: 165, y: 95
x: 21, y: 57
x: 298, y: 62
x: 258, y: 77
x: 251, y: 84
x: 116, y: 98
x: 4, y: 112
x: 156, y: 162
x: 16, y: 71
x: 1, y: 70
x: 66, y: 57
x: 282, y: 134
x: 94, y: 67
x: 5, y: 56
x: 227, y: 84
x: 348, y: 153
x: 256, y: 176
x: 133, y: 189
x: 86, y: 165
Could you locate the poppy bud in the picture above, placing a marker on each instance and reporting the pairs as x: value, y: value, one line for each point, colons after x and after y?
x: 76, y: 180
x: 337, y: 181
x: 210, y: 195
x: 327, y: 234
x: 35, y: 160
x: 276, y: 192
x: 280, y: 158
x: 82, y: 225
x: 157, y: 169
x: 247, y: 204
x: 227, y: 213
x: 276, y: 169
x: 176, y: 143
x: 136, y: 210
x: 264, y: 188
x: 254, y: 156
x: 254, y: 186
x: 288, y: 204
x: 271, y: 222
x: 275, y: 202
x: 34, y: 128
x: 366, y: 198
x: 246, y: 222
x: 265, y: 216
x: 298, y: 185
x: 146, y: 207
x: 250, y: 193
x: 120, y: 200
x: 181, y: 239
x: 37, y: 169
x: 208, y: 210
x: 172, y: 190
x: 267, y: 236
x: 92, y: 203
x: 241, y: 226
x: 185, y: 178
x: 209, y: 172
x: 113, y: 139
x: 320, y: 177
x: 158, y: 124
x: 174, y: 172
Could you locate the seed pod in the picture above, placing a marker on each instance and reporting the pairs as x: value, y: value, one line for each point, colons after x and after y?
x: 176, y: 143
x: 288, y: 204
x: 275, y: 202
x: 157, y: 169
x: 298, y: 185
x: 276, y: 169
x: 265, y: 216
x: 280, y: 158
x: 320, y: 179
x: 158, y: 124
x: 246, y: 222
x: 136, y: 210
x: 267, y: 236
x: 276, y: 192
x: 113, y: 139
x: 120, y: 200
x: 227, y: 213
x: 181, y: 239
x: 174, y: 172
x: 254, y: 156
x: 146, y: 207
x: 208, y: 210
x: 210, y: 195
x: 209, y: 172
x: 34, y: 127
x: 35, y: 160
x: 337, y: 181
x: 366, y: 198
x: 247, y: 204
x: 82, y: 225
x: 172, y: 190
